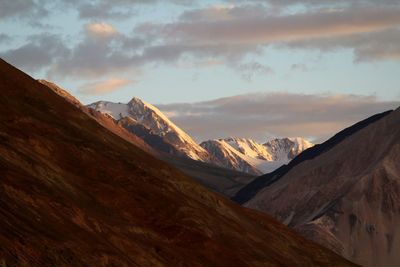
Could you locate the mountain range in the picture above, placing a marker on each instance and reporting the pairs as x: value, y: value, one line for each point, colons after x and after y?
x: 74, y: 193
x: 159, y: 132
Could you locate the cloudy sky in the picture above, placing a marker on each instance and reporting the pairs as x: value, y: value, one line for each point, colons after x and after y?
x: 250, y: 68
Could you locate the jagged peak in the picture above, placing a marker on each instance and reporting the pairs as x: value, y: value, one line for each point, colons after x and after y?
x: 139, y: 103
x: 152, y: 118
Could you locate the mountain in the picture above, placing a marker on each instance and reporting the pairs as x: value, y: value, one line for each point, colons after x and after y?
x: 222, y: 180
x: 244, y: 155
x: 345, y: 194
x: 101, y: 118
x: 61, y: 92
x: 154, y: 140
x: 286, y: 149
x: 230, y: 157
x: 252, y: 188
x: 249, y: 148
x: 73, y: 193
x: 247, y: 155
x: 153, y: 119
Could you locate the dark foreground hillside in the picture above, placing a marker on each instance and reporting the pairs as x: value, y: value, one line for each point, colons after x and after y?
x: 74, y: 194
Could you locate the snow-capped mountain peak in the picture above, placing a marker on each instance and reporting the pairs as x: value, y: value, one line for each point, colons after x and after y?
x: 152, y: 118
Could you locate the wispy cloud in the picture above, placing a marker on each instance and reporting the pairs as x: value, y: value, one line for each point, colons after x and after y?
x: 104, y: 87
x: 278, y: 114
x: 249, y: 70
x: 234, y: 27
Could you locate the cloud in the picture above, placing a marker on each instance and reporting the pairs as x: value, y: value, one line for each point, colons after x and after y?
x: 273, y: 29
x: 102, y: 51
x: 21, y: 9
x: 299, y: 67
x: 318, y: 3
x: 39, y: 53
x: 251, y: 69
x: 224, y: 12
x: 278, y: 114
x: 117, y: 9
x: 104, y: 87
x: 101, y: 29
x: 371, y: 46
x: 5, y: 38
x: 217, y: 31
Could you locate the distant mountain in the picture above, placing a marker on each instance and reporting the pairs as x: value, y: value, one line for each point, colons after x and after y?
x: 247, y: 155
x: 153, y: 119
x: 156, y: 141
x: 73, y: 193
x: 230, y: 157
x: 249, y: 148
x: 344, y: 193
x: 240, y: 154
x: 286, y: 149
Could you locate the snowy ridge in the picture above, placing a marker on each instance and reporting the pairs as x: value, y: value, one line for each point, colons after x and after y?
x: 249, y: 148
x: 229, y: 157
x: 285, y: 149
x: 153, y: 119
x: 249, y: 156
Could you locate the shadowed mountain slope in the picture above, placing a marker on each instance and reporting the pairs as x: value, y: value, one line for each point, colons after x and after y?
x: 75, y: 194
x: 251, y: 189
x: 347, y: 198
x: 221, y: 180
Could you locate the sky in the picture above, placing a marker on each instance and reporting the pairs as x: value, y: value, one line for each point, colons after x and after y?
x: 246, y: 68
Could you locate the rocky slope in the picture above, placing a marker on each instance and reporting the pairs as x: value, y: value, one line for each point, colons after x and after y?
x: 346, y: 197
x: 73, y: 193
